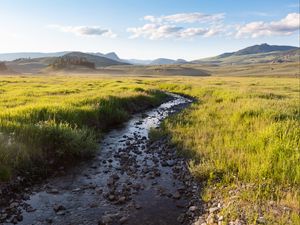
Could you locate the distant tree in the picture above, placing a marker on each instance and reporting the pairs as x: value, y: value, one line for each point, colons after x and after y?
x: 65, y: 61
x: 3, y: 66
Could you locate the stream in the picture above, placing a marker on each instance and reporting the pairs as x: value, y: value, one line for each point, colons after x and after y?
x: 130, y: 181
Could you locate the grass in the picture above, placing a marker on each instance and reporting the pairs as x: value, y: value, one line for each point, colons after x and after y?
x: 46, y: 119
x: 243, y: 138
x: 241, y: 135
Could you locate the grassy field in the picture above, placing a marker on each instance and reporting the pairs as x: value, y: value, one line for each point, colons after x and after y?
x: 47, y: 119
x: 241, y: 135
x: 243, y: 139
x: 290, y: 69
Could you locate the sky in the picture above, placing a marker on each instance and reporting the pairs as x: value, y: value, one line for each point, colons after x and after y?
x: 148, y: 29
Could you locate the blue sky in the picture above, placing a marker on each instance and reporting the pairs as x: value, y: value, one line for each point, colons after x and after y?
x: 187, y: 29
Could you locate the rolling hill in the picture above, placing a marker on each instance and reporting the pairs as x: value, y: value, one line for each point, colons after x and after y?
x: 263, y: 53
x: 37, y: 65
x: 99, y: 61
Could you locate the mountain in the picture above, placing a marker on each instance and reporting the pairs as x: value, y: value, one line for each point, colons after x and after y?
x: 113, y: 56
x: 99, y: 61
x: 34, y: 55
x: 110, y: 55
x: 181, y: 61
x: 264, y: 48
x: 164, y: 61
x: 37, y: 65
x: 263, y: 53
x: 30, y: 55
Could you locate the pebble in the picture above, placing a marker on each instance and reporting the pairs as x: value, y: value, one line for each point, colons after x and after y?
x: 210, y: 219
x: 106, y: 219
x: 261, y: 220
x: 213, y: 209
x: 137, y: 206
x: 53, y: 191
x: 193, y: 208
x: 176, y: 195
x: 123, y: 220
x: 58, y: 208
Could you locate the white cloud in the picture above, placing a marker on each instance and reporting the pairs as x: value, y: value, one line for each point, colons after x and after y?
x: 195, y: 17
x: 285, y: 26
x: 154, y: 31
x: 85, y: 30
x: 162, y: 31
x: 170, y: 26
x: 178, y: 26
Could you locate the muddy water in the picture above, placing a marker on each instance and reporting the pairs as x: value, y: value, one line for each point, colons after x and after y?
x: 130, y: 181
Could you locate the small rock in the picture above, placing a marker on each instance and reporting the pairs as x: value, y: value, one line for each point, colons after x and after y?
x: 14, y: 220
x: 193, y: 208
x: 180, y: 218
x: 170, y: 163
x: 58, y: 208
x: 111, y: 197
x: 61, y: 213
x: 110, y: 181
x: 3, y: 216
x: 115, y: 177
x: 76, y: 190
x: 261, y: 220
x: 137, y: 206
x: 176, y: 195
x: 19, y: 217
x: 106, y: 219
x: 122, y: 199
x: 30, y: 209
x: 53, y: 191
x: 123, y: 220
x: 93, y: 205
x: 210, y: 219
x: 14, y: 205
x: 49, y: 220
x: 213, y: 209
x: 200, y: 221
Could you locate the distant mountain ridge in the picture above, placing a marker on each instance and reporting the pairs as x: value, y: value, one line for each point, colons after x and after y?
x: 34, y: 55
x: 165, y: 61
x: 264, y: 48
x: 37, y: 65
x: 31, y: 55
x: 98, y: 60
x: 34, y: 62
x: 255, y: 49
x: 110, y: 55
x: 263, y: 53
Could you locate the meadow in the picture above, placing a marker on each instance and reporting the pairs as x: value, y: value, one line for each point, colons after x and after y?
x: 46, y: 120
x: 241, y: 135
x: 243, y: 138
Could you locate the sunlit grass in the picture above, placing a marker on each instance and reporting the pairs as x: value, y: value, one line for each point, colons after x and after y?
x: 243, y: 131
x: 48, y: 118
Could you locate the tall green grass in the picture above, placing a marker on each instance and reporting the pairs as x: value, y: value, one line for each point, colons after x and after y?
x: 49, y: 119
x: 243, y: 131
